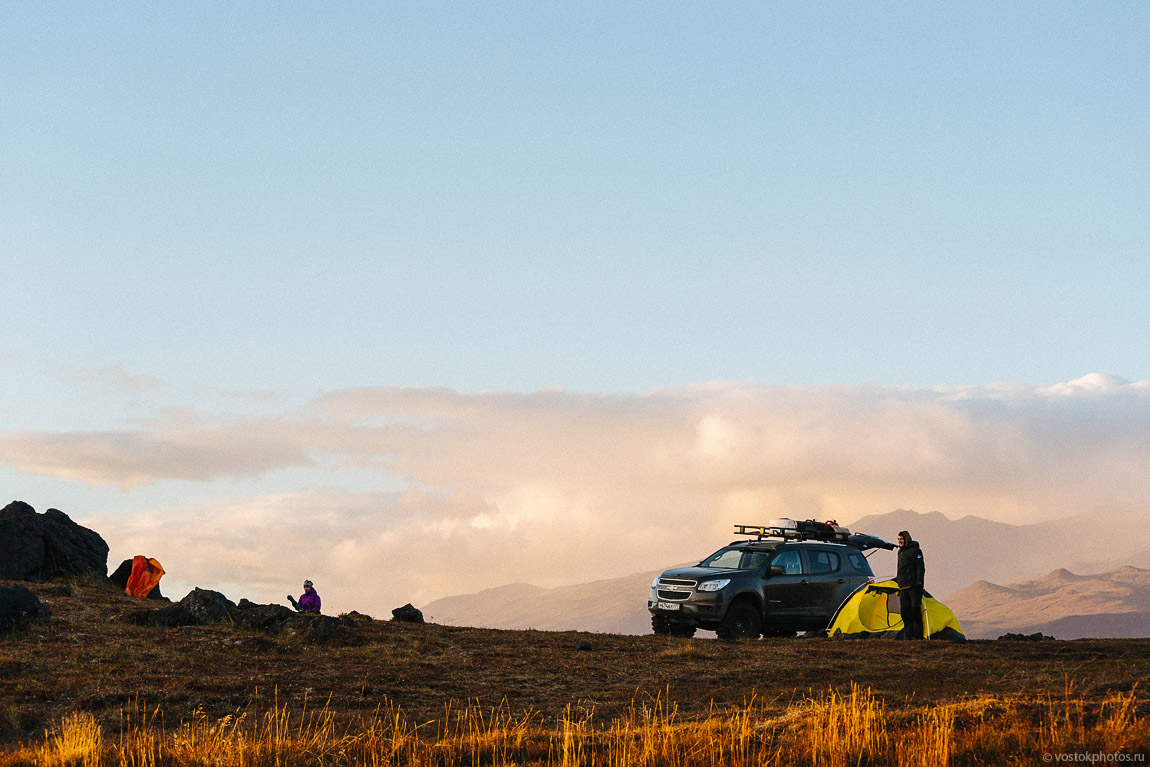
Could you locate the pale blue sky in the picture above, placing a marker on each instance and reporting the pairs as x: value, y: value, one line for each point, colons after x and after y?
x: 217, y: 217
x: 599, y: 197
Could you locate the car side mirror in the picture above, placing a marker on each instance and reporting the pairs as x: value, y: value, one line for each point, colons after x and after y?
x: 776, y: 570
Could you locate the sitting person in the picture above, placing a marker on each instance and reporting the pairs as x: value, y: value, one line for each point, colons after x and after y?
x: 308, y: 601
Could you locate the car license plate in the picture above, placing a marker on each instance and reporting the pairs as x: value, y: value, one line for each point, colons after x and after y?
x: 669, y: 605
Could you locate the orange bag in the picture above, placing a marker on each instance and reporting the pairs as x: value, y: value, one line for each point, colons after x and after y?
x: 146, y: 573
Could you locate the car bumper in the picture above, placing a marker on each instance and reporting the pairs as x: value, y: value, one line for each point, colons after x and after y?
x: 697, y: 609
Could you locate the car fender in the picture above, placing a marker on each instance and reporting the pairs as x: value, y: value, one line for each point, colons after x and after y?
x: 746, y: 594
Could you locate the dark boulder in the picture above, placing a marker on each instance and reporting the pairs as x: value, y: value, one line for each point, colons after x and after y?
x: 311, y: 627
x: 120, y: 577
x: 257, y: 617
x: 208, y: 606
x: 17, y: 605
x: 198, y: 607
x: 407, y: 614
x: 41, y: 546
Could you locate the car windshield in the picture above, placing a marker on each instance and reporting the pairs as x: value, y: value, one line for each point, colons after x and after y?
x: 735, y: 558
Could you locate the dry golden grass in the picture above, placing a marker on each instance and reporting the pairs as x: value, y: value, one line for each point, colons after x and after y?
x: 830, y: 730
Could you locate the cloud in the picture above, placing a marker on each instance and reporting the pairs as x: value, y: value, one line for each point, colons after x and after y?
x: 142, y: 456
x: 557, y: 487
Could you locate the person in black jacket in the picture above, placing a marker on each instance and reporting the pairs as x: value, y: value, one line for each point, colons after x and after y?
x: 911, y: 578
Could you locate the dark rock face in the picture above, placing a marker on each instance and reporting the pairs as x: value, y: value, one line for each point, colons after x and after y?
x: 208, y: 606
x: 256, y: 617
x: 124, y: 572
x: 48, y: 545
x: 199, y: 606
x: 18, y: 604
x: 407, y: 614
x: 1036, y: 637
x: 311, y: 627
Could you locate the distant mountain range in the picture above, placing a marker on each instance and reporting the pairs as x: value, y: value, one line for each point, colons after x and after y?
x: 961, y: 555
x: 1061, y: 604
x: 615, y: 606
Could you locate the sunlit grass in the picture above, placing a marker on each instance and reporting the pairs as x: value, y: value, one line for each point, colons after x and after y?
x: 826, y: 730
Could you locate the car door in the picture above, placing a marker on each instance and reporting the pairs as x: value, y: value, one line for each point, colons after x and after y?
x: 785, y: 595
x: 830, y: 584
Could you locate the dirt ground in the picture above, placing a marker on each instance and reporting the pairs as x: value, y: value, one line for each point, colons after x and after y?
x: 87, y: 657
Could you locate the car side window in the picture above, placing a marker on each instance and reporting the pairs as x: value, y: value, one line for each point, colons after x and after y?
x: 790, y: 561
x: 753, y: 560
x: 824, y: 561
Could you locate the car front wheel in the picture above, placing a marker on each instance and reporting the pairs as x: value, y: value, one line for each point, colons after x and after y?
x: 742, y: 621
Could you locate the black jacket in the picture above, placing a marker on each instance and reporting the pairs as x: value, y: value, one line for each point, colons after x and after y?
x: 911, y: 570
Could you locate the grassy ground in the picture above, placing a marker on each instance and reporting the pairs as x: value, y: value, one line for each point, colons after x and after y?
x: 88, y: 661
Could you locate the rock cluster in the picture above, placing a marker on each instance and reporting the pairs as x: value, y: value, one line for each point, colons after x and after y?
x: 1036, y: 637
x: 203, y: 606
x: 41, y: 546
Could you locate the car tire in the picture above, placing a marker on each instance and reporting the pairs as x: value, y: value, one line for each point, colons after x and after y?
x: 684, y: 630
x: 661, y: 625
x: 742, y: 621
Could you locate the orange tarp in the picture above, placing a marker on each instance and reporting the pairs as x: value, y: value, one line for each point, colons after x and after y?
x: 146, y: 573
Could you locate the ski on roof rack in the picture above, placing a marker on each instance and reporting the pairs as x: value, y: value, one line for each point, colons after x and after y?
x: 811, y: 530
x: 796, y: 530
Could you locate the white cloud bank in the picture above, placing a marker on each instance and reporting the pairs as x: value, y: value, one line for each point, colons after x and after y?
x: 557, y: 487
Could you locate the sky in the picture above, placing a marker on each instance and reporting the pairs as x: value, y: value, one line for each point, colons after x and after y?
x: 418, y: 299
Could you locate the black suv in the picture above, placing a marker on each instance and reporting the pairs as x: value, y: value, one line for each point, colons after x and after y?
x: 791, y: 577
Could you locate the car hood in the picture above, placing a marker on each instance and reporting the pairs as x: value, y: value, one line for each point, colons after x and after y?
x: 699, y: 573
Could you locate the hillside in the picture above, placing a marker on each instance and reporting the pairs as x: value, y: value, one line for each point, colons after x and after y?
x: 90, y: 657
x: 107, y: 690
x: 1060, y: 604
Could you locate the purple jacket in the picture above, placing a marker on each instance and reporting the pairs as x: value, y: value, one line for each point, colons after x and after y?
x: 309, y: 602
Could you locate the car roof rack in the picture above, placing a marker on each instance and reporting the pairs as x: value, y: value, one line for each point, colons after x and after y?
x: 811, y: 530
x: 796, y: 530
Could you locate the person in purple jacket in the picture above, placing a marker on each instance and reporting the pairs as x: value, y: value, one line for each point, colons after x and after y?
x: 308, y: 601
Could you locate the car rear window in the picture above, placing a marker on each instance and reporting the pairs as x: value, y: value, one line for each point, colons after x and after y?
x: 858, y: 562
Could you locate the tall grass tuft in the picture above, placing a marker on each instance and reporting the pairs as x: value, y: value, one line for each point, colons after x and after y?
x: 844, y: 730
x: 77, y: 742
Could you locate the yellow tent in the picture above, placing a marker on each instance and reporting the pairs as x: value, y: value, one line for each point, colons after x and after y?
x: 873, y: 611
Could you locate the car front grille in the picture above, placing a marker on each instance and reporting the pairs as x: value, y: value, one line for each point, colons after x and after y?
x: 676, y: 589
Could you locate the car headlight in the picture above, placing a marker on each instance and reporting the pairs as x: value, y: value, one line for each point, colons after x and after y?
x: 714, y: 585
x: 655, y: 583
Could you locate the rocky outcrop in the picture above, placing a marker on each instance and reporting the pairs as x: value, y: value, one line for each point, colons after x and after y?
x: 257, y: 617
x: 41, y: 546
x: 202, y: 607
x: 17, y: 605
x: 407, y: 614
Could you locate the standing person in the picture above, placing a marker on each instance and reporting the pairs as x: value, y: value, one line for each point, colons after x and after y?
x: 911, y: 578
x: 308, y: 601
